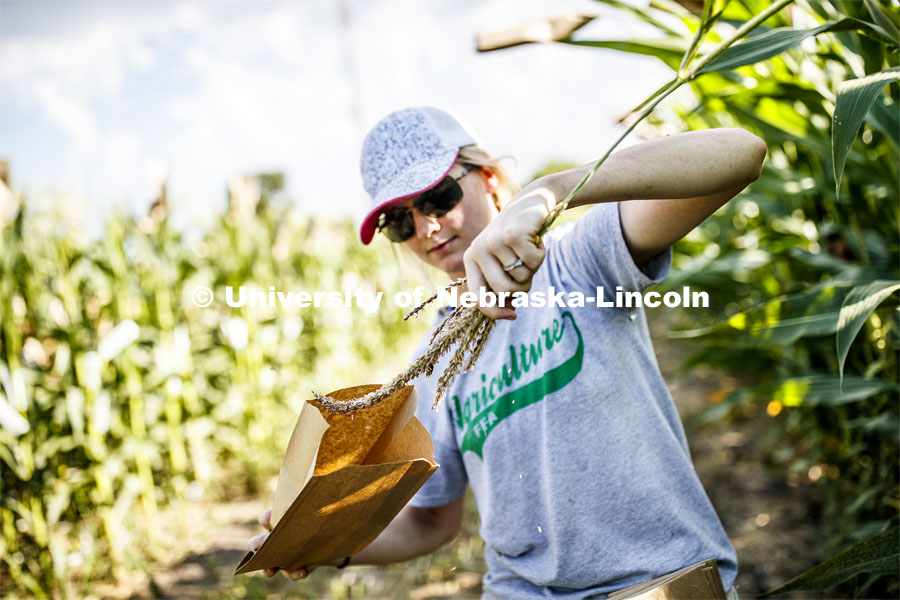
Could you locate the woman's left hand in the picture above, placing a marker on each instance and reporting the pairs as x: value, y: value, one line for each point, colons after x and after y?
x: 505, y: 256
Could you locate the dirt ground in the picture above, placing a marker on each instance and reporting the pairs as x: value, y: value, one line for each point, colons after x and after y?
x: 773, y: 525
x: 771, y: 520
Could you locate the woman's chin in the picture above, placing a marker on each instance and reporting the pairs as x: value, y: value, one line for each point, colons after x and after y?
x: 453, y: 268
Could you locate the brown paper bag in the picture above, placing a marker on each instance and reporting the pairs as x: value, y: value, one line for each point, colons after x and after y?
x: 343, y: 479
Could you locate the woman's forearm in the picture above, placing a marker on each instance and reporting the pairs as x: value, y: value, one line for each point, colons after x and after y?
x: 679, y: 181
x: 413, y: 532
x: 685, y: 165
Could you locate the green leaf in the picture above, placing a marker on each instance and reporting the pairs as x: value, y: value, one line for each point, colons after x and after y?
x: 884, y: 19
x: 783, y: 320
x: 806, y: 390
x: 774, y: 42
x: 818, y: 390
x: 668, y: 50
x: 885, y: 117
x: 857, y: 307
x: 884, y: 424
x: 821, y: 261
x: 771, y: 131
x: 854, y: 99
x: 876, y: 555
x: 747, y: 9
x: 863, y: 498
x: 670, y: 6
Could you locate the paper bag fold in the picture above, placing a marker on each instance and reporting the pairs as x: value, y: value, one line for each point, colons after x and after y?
x: 349, y: 476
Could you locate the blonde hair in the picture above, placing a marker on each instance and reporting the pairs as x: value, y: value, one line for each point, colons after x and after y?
x: 475, y: 155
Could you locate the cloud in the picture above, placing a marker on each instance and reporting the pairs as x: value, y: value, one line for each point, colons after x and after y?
x: 72, y: 116
x: 286, y: 86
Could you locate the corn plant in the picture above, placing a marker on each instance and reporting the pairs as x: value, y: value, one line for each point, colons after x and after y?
x: 806, y: 262
x: 119, y: 395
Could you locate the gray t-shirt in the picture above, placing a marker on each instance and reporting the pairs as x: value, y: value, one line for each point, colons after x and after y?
x: 570, y: 440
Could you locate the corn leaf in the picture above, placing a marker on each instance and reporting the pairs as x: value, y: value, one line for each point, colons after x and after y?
x: 806, y: 390
x: 884, y: 424
x: 876, y: 555
x: 776, y: 41
x: 854, y: 99
x: 747, y: 9
x: 674, y: 8
x: 814, y: 390
x: 884, y: 19
x: 885, y: 117
x: 668, y: 50
x: 857, y: 307
x: 783, y: 320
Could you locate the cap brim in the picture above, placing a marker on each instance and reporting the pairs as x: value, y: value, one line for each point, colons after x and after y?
x: 419, y: 178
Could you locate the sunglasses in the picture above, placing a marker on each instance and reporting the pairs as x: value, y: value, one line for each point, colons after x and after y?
x: 398, y: 223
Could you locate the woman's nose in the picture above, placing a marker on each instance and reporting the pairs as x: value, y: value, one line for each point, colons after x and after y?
x: 425, y: 226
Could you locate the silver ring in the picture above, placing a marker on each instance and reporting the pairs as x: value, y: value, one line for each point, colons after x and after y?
x: 513, y: 265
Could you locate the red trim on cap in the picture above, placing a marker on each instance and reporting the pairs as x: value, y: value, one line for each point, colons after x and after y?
x: 370, y: 223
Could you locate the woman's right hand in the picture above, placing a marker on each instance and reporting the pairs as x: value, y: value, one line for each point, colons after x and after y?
x: 265, y: 519
x: 509, y: 241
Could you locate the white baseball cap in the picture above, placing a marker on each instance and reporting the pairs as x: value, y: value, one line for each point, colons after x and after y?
x: 406, y: 153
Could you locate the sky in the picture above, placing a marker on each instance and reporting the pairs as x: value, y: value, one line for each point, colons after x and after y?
x: 99, y: 100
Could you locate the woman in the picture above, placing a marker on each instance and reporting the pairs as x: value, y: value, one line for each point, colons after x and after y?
x: 564, y: 429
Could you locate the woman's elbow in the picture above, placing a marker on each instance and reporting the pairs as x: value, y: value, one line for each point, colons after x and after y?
x: 759, y: 155
x: 440, y: 524
x: 450, y: 528
x: 450, y: 534
x: 753, y: 152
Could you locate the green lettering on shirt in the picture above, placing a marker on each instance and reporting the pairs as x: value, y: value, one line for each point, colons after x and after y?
x: 478, y: 425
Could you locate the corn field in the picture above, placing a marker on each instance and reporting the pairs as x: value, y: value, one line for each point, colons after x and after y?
x: 120, y: 395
